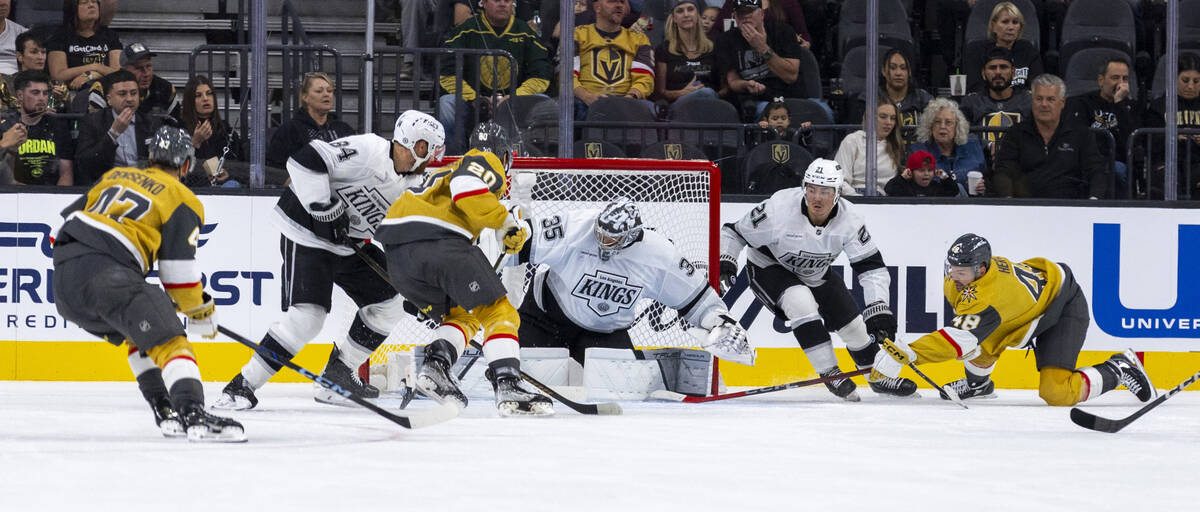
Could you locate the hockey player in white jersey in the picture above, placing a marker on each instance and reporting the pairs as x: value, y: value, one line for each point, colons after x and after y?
x: 339, y: 193
x: 791, y: 239
x: 600, y: 263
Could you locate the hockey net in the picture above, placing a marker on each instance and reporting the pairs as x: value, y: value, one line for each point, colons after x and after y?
x: 678, y: 198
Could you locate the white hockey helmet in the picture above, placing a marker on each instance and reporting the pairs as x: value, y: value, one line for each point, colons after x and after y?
x: 824, y: 172
x: 413, y: 126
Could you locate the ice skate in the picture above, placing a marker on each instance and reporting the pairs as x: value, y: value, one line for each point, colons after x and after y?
x: 514, y: 399
x: 237, y: 396
x: 203, y: 427
x: 899, y: 387
x: 841, y: 388
x: 1132, y: 375
x: 435, y: 381
x: 168, y: 421
x: 337, y: 372
x: 965, y: 390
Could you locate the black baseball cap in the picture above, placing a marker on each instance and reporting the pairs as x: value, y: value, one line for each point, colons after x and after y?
x: 746, y: 5
x: 135, y: 52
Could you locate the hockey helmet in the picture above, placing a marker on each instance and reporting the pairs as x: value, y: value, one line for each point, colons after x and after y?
x: 969, y: 250
x: 413, y: 126
x: 824, y: 172
x: 618, y: 226
x: 171, y: 147
x: 489, y: 136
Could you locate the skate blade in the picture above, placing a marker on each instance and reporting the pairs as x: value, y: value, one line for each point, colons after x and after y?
x: 852, y: 397
x: 989, y: 396
x: 511, y: 409
x: 172, y: 428
x: 428, y: 388
x: 231, y: 403
x: 890, y: 396
x: 200, y: 434
x: 327, y: 397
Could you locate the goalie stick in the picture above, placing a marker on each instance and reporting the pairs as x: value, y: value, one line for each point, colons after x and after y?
x: 415, y: 419
x: 1092, y: 422
x: 663, y: 394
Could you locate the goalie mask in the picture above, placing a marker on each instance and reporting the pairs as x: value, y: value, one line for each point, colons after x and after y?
x: 490, y: 137
x: 617, y: 227
x: 413, y: 126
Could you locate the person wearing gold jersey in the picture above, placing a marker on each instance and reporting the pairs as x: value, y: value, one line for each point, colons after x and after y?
x: 131, y: 220
x: 999, y: 304
x: 428, y: 235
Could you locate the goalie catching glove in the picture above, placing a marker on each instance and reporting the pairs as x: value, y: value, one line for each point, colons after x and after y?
x: 513, y: 234
x: 726, y: 340
x: 202, y: 319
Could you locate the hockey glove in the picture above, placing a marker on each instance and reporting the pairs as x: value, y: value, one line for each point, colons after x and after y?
x: 879, y: 319
x: 728, y: 341
x: 332, y: 223
x: 892, y: 358
x: 513, y: 234
x: 202, y: 319
x: 416, y: 312
x: 728, y: 275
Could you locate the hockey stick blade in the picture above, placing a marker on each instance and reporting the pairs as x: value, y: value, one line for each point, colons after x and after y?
x: 946, y: 391
x: 679, y: 397
x: 410, y: 420
x: 1092, y: 422
x: 603, y: 409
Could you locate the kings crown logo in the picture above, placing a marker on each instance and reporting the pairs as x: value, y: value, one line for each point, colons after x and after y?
x: 606, y: 294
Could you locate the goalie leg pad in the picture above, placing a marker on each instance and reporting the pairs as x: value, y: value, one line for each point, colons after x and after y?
x: 622, y: 374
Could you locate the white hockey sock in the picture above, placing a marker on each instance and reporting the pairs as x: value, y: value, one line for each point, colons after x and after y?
x: 821, y: 356
x: 140, y: 363
x: 256, y: 372
x: 1093, y: 382
x: 180, y: 368
x: 501, y: 346
x: 453, y: 336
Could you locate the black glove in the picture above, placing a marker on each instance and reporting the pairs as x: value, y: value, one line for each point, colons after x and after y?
x: 331, y: 221
x: 416, y: 312
x: 880, y: 320
x: 728, y: 271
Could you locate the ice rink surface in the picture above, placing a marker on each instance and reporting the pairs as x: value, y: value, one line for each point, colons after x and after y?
x: 94, y: 446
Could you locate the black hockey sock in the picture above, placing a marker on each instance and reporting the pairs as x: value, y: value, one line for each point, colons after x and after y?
x: 865, y: 357
x: 811, y: 334
x: 441, y: 349
x: 187, y: 393
x: 1110, y: 376
x: 270, y: 343
x: 502, y: 368
x: 977, y: 380
x: 364, y: 336
x: 150, y: 382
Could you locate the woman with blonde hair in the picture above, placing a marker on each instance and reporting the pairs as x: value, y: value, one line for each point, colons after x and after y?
x: 889, y: 151
x: 942, y: 130
x: 1005, y: 28
x: 313, y: 120
x: 684, y: 61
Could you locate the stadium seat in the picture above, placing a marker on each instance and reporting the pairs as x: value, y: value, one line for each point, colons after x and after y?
x: 1189, y: 24
x: 854, y: 69
x: 513, y: 115
x: 801, y: 110
x: 721, y: 145
x: 541, y: 127
x: 775, y: 165
x: 981, y: 16
x: 1159, y: 85
x: 1082, y: 69
x: 810, y: 74
x: 893, y: 27
x: 673, y: 151
x: 624, y: 110
x: 1098, y: 23
x: 597, y: 149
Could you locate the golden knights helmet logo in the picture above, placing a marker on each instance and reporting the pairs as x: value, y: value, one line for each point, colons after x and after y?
x: 1000, y: 120
x: 593, y: 150
x: 781, y: 153
x: 609, y: 65
x: 673, y: 151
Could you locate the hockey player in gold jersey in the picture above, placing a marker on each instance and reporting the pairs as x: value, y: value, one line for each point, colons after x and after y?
x: 428, y: 235
x: 999, y: 304
x: 113, y: 236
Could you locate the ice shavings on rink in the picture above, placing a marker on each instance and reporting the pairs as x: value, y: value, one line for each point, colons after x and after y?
x: 94, y: 446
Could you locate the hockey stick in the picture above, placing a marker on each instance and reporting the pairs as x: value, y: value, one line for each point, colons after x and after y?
x: 603, y: 408
x: 946, y: 392
x: 663, y: 394
x: 1092, y: 422
x: 409, y: 420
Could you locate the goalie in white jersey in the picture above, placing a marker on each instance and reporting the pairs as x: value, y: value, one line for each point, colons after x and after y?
x: 339, y: 193
x: 601, y: 262
x: 791, y: 239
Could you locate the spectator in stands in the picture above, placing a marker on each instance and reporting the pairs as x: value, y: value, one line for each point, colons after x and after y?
x: 889, y: 152
x: 612, y: 60
x: 211, y: 136
x: 999, y: 105
x: 1187, y: 117
x: 462, y: 10
x: 313, y: 120
x: 43, y: 156
x: 1004, y: 31
x: 1048, y: 156
x: 495, y: 28
x: 760, y: 60
x: 942, y: 131
x: 158, y: 95
x: 9, y: 30
x: 83, y: 50
x: 1110, y: 108
x: 922, y: 178
x: 788, y: 12
x: 776, y: 124
x: 116, y: 135
x: 895, y: 81
x: 31, y: 55
x: 708, y: 18
x: 684, y: 62
x: 582, y: 9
